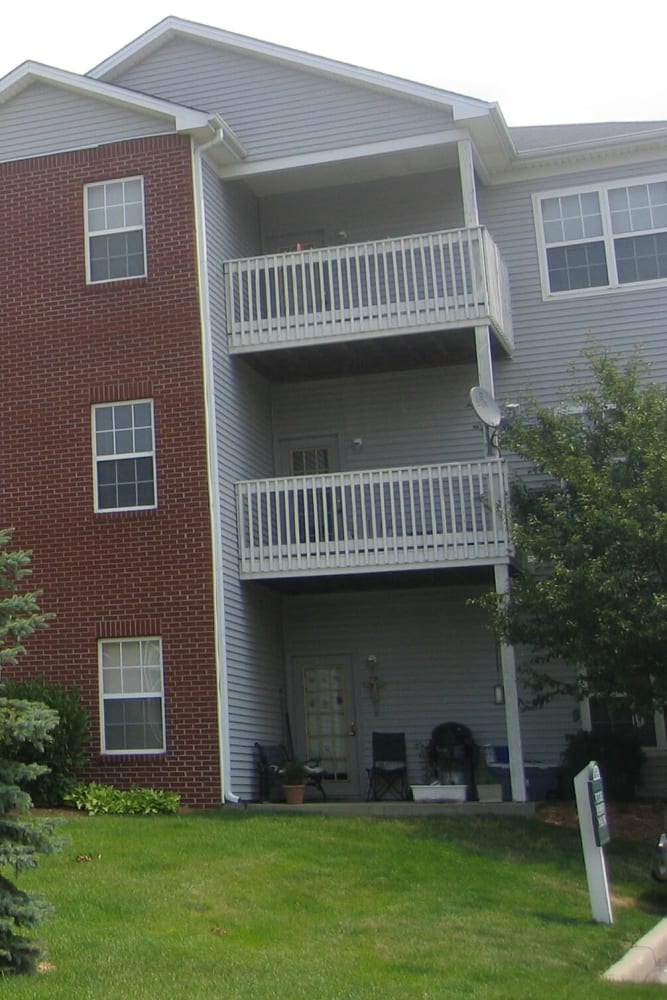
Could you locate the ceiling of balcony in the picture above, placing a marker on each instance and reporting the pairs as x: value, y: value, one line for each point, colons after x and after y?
x: 365, y: 357
x: 451, y: 576
x: 350, y: 166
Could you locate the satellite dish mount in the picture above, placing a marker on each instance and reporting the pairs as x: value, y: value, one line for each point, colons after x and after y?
x: 489, y: 413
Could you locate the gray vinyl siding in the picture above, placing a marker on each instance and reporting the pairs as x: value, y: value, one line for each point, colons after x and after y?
x: 549, y: 338
x: 402, y: 418
x: 273, y: 108
x: 243, y: 425
x: 46, y: 119
x: 436, y: 657
x: 396, y: 206
x: 550, y: 335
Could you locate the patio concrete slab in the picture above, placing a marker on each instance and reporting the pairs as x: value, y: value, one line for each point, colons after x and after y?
x: 400, y: 809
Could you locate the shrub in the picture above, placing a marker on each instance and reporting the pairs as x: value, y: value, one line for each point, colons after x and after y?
x: 96, y: 798
x: 618, y: 753
x: 66, y: 750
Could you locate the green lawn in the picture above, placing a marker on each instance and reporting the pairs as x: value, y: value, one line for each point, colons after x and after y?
x: 245, y: 906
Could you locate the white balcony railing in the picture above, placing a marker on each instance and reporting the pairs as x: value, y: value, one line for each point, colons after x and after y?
x: 381, y: 519
x: 408, y: 284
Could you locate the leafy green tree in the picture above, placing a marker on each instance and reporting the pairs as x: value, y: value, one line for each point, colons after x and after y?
x: 589, y: 520
x: 22, y: 724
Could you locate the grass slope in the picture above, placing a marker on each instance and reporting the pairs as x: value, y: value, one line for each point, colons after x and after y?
x: 246, y: 906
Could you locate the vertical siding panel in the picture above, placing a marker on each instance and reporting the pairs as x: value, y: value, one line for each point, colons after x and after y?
x: 402, y: 418
x: 46, y: 119
x: 252, y: 614
x: 275, y: 108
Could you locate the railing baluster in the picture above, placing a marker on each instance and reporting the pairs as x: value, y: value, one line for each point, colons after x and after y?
x: 316, y: 307
x: 471, y: 502
x: 390, y: 528
x: 457, y: 511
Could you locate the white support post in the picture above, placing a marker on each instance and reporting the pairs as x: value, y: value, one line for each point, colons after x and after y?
x: 471, y: 218
x: 468, y: 187
x: 485, y: 380
x: 484, y: 359
x: 512, y: 720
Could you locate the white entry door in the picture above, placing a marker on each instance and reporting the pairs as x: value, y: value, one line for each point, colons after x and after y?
x: 324, y: 721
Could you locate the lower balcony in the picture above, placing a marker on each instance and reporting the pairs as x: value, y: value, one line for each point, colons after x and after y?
x: 379, y: 520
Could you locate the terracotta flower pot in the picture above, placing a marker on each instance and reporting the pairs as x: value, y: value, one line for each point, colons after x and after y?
x: 294, y: 794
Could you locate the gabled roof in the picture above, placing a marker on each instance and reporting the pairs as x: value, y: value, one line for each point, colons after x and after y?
x: 174, y: 27
x: 542, y: 138
x: 500, y: 151
x: 483, y: 120
x: 200, y: 124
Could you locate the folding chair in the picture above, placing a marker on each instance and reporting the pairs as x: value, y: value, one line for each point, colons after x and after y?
x: 388, y: 775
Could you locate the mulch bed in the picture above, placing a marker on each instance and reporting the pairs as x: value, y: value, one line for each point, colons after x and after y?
x: 640, y: 821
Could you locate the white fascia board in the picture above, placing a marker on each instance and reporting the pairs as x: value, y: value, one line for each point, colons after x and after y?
x: 584, y: 157
x: 171, y: 27
x: 493, y: 145
x: 254, y: 168
x: 185, y: 119
x: 627, y: 140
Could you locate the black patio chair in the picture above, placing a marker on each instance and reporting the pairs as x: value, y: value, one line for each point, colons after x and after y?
x: 271, y: 761
x: 452, y: 750
x: 388, y: 774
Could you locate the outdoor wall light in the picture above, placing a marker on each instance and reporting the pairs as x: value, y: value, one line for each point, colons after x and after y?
x: 374, y: 684
x: 498, y: 694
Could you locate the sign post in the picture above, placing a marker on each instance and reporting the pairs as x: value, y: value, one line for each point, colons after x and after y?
x: 594, y: 830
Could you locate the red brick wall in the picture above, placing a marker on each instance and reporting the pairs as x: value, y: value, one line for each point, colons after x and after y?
x: 64, y: 346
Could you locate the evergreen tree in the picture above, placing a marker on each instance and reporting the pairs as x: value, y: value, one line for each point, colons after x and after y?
x: 22, y: 724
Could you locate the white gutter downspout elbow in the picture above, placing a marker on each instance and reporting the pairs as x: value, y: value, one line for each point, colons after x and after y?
x: 222, y: 687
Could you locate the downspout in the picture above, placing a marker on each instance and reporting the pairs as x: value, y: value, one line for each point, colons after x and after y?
x: 222, y: 687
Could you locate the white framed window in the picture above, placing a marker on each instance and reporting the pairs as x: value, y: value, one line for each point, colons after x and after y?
x: 124, y: 455
x: 602, y: 237
x: 131, y: 696
x: 115, y: 230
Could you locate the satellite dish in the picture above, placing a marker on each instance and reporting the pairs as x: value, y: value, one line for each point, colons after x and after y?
x: 485, y: 407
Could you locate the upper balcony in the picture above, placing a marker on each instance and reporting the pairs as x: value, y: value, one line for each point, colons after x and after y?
x: 431, y: 282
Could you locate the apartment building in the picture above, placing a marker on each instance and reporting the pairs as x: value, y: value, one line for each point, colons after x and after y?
x: 246, y: 292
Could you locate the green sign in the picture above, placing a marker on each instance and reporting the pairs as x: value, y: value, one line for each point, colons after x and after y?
x: 598, y: 806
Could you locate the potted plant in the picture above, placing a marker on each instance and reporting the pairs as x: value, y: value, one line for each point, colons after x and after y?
x: 434, y: 789
x: 294, y: 781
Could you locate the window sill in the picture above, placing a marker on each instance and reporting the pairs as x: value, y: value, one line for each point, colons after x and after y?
x: 116, y: 284
x: 587, y: 293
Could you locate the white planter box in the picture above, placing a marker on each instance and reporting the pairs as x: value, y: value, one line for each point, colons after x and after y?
x: 439, y: 793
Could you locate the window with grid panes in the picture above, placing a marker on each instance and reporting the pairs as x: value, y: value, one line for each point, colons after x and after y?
x: 309, y: 461
x: 124, y: 455
x: 611, y: 236
x: 132, y: 698
x: 115, y: 241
